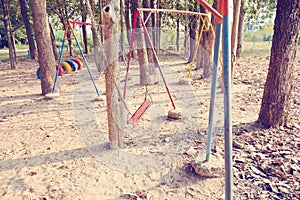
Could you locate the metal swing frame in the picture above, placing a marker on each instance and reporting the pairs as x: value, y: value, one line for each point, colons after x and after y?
x: 73, y: 36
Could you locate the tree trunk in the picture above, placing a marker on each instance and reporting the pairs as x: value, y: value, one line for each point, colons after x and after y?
x: 240, y: 31
x: 114, y: 104
x: 53, y: 42
x: 141, y: 49
x: 153, y: 22
x: 277, y: 95
x: 84, y: 31
x: 98, y: 54
x: 193, y: 25
x: 127, y: 20
x: 9, y: 34
x: 70, y: 42
x: 24, y: 11
x: 101, y: 20
x: 122, y: 35
x: 45, y: 52
x: 178, y: 34
x: 149, y: 50
x: 158, y: 29
x: 207, y: 44
x: 236, y: 13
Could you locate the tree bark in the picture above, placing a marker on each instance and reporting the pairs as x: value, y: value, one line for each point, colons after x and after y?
x: 277, y: 95
x: 193, y: 25
x: 127, y: 20
x: 158, y: 29
x: 98, y: 54
x: 207, y: 44
x: 236, y: 13
x: 9, y: 34
x: 114, y: 104
x: 42, y: 33
x: 24, y: 11
x: 122, y: 35
x: 149, y: 50
x: 141, y: 49
x: 84, y: 31
x: 240, y: 30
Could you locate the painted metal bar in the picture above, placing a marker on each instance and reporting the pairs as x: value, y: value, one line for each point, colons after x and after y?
x: 60, y: 59
x: 148, y: 17
x: 156, y: 58
x: 86, y: 23
x: 135, y: 15
x: 227, y: 102
x: 217, y: 15
x: 85, y: 61
x: 213, y: 90
x: 183, y: 12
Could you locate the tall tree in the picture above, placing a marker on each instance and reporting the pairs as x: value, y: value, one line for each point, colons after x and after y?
x: 114, y: 103
x: 9, y: 34
x: 207, y: 43
x: 128, y: 20
x: 193, y: 26
x: 141, y: 48
x: 236, y: 13
x: 24, y: 11
x: 240, y: 30
x: 42, y: 33
x: 96, y: 38
x: 149, y: 50
x: 122, y: 32
x: 84, y: 31
x: 278, y: 87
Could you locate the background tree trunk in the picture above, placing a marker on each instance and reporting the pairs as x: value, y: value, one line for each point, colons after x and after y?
x: 193, y: 25
x: 157, y: 29
x: 148, y: 48
x: 207, y: 44
x: 128, y: 20
x: 141, y: 49
x: 278, y: 87
x: 28, y: 29
x: 9, y: 34
x: 98, y: 54
x: 114, y: 104
x: 240, y: 30
x: 177, y: 29
x: 45, y: 52
x: 84, y: 31
x: 122, y: 32
x: 236, y: 13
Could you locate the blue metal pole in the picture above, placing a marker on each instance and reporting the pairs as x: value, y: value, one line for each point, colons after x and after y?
x: 58, y: 66
x: 213, y: 90
x: 227, y: 102
x: 87, y: 66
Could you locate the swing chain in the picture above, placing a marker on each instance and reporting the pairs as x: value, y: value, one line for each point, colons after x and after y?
x: 148, y: 94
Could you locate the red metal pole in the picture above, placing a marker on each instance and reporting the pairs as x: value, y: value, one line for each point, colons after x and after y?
x: 136, y: 13
x: 217, y: 15
x: 156, y: 58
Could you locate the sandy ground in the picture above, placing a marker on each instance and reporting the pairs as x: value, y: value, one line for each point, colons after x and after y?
x: 57, y: 149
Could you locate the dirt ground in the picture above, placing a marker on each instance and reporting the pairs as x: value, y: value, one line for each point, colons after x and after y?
x: 58, y: 149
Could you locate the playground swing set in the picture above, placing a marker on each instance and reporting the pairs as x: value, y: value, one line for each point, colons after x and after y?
x: 64, y: 64
x: 222, y: 17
